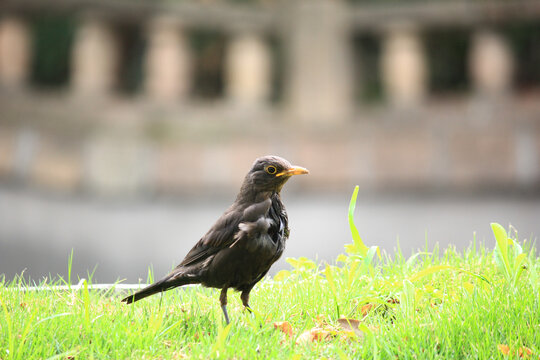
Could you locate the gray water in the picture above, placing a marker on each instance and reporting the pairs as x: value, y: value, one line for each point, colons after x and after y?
x: 120, y: 240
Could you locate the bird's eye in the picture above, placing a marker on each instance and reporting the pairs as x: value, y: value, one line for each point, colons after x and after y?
x: 271, y: 169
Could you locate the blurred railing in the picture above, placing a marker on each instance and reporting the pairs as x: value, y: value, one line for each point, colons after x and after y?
x: 487, y: 140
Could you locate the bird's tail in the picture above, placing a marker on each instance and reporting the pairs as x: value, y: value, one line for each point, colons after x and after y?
x: 168, y: 282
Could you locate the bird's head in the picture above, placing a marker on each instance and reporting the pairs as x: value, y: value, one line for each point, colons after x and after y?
x: 268, y: 175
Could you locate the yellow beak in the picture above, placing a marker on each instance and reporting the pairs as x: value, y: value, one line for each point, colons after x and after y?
x: 295, y: 170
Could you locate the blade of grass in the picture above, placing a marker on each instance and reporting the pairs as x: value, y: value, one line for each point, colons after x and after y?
x: 361, y: 248
x: 220, y: 340
x: 437, y: 268
x: 502, y: 248
x: 11, y: 343
x: 329, y: 274
x: 27, y: 328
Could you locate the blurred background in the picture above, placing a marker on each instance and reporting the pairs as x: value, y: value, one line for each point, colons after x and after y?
x: 127, y: 126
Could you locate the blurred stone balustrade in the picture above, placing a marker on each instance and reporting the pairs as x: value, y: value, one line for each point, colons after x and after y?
x: 14, y: 51
x: 319, y: 65
x: 403, y: 66
x: 95, y: 57
x: 491, y: 62
x: 289, y: 80
x: 248, y: 69
x: 167, y: 61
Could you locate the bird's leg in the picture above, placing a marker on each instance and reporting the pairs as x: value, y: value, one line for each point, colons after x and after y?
x: 223, y: 301
x: 245, y: 299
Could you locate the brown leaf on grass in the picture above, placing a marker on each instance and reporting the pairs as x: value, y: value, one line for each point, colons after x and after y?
x: 504, y: 349
x: 315, y: 334
x: 366, y: 309
x: 350, y: 325
x: 304, y: 338
x: 320, y: 334
x: 524, y: 352
x: 321, y: 320
x: 179, y: 355
x: 284, y: 327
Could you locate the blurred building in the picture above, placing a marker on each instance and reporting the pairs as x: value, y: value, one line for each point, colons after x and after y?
x: 124, y: 96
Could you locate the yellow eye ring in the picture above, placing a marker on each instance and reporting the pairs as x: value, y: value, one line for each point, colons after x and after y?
x: 270, y: 169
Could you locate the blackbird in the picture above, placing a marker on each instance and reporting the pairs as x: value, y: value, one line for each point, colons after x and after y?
x: 245, y: 241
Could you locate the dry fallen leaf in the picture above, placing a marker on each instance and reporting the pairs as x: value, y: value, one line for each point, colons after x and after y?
x: 524, y: 352
x: 315, y: 334
x: 350, y: 325
x: 367, y: 308
x: 321, y: 320
x: 504, y: 349
x: 304, y: 338
x: 285, y: 327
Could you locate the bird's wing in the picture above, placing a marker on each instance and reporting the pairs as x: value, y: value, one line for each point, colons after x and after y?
x: 222, y: 234
x: 219, y: 236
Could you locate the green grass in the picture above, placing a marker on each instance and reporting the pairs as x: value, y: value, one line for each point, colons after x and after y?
x: 439, y: 304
